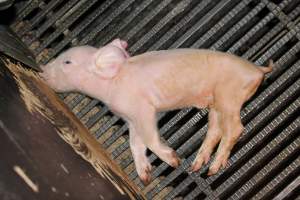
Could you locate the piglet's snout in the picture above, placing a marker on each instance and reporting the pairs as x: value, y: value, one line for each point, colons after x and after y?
x: 42, y: 67
x: 45, y: 72
x: 48, y: 74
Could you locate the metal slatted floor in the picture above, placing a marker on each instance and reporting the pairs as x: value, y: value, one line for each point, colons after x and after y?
x: 265, y: 163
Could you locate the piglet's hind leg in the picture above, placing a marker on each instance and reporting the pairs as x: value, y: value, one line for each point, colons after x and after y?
x: 212, y: 138
x: 231, y: 129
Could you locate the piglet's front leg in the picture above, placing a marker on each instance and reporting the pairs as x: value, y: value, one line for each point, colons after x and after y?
x: 138, y: 150
x: 144, y: 122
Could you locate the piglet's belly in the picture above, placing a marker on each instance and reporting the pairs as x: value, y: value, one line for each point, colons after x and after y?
x: 180, y: 93
x: 181, y: 99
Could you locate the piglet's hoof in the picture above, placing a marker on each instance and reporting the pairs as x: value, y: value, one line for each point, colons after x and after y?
x: 201, y: 159
x: 146, y: 179
x: 174, y: 160
x: 143, y: 169
x: 167, y: 155
x: 145, y: 176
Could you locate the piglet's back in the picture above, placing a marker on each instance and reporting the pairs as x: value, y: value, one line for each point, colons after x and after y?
x: 172, y: 56
x: 178, y: 65
x: 194, y: 63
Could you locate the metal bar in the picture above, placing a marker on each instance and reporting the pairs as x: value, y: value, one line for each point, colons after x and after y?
x: 178, y: 26
x: 251, y: 144
x: 126, y: 22
x: 267, y: 151
x: 101, y: 26
x: 204, y: 20
x: 180, y: 7
x: 216, y: 28
x: 147, y: 19
x: 88, y: 108
x: 294, y: 185
x: 74, y: 16
x: 67, y: 9
x: 27, y: 8
x: 271, y: 186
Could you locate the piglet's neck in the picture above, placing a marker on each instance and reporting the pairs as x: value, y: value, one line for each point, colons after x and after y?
x: 96, y: 87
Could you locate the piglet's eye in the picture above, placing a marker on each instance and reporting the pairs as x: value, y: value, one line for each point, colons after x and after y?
x: 67, y: 62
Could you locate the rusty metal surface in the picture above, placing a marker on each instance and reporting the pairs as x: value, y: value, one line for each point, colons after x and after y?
x: 11, y: 45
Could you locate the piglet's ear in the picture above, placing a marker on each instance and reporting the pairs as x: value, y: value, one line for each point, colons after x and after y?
x: 107, y: 63
x: 119, y: 43
x: 108, y: 71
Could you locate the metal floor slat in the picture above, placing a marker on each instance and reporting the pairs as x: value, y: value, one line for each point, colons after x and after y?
x: 275, y: 31
x: 47, y: 8
x: 80, y: 27
x: 139, y: 26
x: 39, y: 17
x: 254, y: 29
x: 26, y: 10
x: 203, y: 20
x: 202, y: 6
x: 266, y: 40
x: 126, y: 22
x: 216, y: 28
x: 287, y: 191
x: 75, y: 101
x: 112, y: 16
x: 68, y: 22
x: 248, y: 146
x: 271, y: 186
x: 177, y: 10
x: 286, y: 38
x: 266, y: 152
x: 268, y: 168
x: 238, y: 26
x: 86, y: 109
x: 52, y: 21
x: 106, y: 126
x: 103, y: 111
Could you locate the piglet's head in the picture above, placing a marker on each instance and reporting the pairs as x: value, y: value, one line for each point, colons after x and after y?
x: 64, y: 72
x: 79, y: 66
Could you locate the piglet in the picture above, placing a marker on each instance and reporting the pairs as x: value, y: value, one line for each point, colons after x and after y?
x: 136, y: 88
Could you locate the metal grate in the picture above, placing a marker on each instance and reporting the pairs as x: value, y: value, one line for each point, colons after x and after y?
x: 265, y: 164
